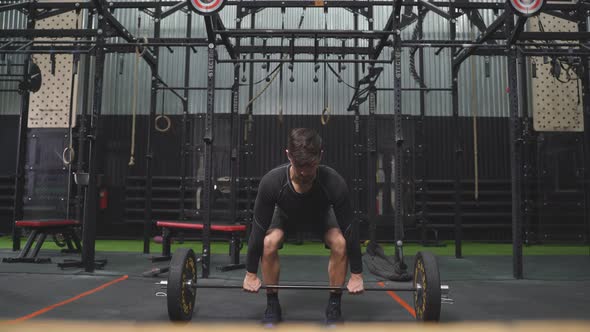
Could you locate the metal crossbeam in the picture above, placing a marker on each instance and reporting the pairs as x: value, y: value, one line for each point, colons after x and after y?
x: 434, y: 8
x: 392, y: 24
x: 517, y: 30
x: 113, y: 22
x: 51, y: 13
x: 288, y: 33
x: 14, y: 6
x: 53, y: 33
x: 303, y: 50
x: 173, y: 9
x: 226, y: 42
x: 465, y: 53
x: 261, y: 4
x: 476, y: 19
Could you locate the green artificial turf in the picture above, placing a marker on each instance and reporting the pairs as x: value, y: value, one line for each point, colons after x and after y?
x: 316, y: 248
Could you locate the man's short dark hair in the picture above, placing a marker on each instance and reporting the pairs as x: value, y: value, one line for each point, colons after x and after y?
x: 304, y: 145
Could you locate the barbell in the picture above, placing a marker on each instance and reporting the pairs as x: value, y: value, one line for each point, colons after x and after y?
x: 181, y: 286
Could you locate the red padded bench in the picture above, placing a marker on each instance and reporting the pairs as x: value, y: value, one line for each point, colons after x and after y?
x: 234, y: 243
x: 184, y: 225
x: 39, y: 231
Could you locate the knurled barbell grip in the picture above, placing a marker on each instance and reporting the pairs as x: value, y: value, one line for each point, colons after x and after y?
x: 304, y: 287
x: 444, y: 288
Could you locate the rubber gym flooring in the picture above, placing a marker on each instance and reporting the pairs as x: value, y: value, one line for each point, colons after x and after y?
x: 482, y: 287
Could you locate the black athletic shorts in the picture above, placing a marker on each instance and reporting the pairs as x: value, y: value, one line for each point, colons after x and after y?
x: 319, y: 226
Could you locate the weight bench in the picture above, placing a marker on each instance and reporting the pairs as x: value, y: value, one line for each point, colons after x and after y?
x: 235, y: 243
x: 39, y: 231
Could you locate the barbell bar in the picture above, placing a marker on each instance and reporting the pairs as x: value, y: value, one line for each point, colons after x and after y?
x: 181, y: 286
x: 443, y: 288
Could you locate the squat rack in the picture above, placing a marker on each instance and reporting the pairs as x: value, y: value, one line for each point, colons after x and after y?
x: 503, y: 37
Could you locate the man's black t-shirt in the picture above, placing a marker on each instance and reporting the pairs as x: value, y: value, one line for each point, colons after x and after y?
x: 329, y: 190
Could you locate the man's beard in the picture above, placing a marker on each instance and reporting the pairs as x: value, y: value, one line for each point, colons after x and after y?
x: 303, y: 180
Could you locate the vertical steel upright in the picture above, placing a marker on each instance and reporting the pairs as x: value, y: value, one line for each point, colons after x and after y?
x: 371, y: 151
x: 21, y: 149
x: 357, y: 143
x: 185, y: 147
x: 81, y: 165
x: 90, y: 201
x: 149, y: 156
x: 208, y: 140
x: 235, y: 143
x: 249, y: 123
x: 421, y: 135
x: 235, y: 126
x: 515, y: 153
x: 583, y: 27
x: 527, y: 145
x: 398, y: 135
x: 371, y: 146
x: 458, y: 141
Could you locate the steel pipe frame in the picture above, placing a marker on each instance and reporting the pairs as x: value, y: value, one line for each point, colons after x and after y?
x: 148, y: 222
x: 458, y: 139
x: 370, y: 137
x: 185, y: 135
x: 399, y: 140
x: 89, y: 217
x: 21, y: 156
x: 421, y: 162
x: 311, y: 60
x: 83, y: 129
x: 208, y: 139
x: 174, y: 6
x: 516, y: 156
x: 279, y: 4
x: 263, y: 4
x: 582, y: 51
x: 583, y: 26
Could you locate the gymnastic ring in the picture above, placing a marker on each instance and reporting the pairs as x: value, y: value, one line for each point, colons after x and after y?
x: 72, y: 154
x: 325, y: 117
x: 166, y: 120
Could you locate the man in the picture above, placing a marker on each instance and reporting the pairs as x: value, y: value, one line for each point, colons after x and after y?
x: 303, y: 195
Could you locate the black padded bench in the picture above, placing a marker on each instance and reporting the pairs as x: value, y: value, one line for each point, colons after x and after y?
x: 39, y: 231
x: 235, y: 243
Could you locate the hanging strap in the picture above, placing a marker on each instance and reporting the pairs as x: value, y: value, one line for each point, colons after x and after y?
x: 325, y: 117
x: 281, y: 91
x: 138, y: 55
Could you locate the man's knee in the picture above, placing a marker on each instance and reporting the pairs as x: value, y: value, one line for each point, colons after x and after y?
x: 336, y: 242
x: 272, y: 242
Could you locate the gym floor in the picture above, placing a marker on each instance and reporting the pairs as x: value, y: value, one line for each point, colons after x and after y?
x: 556, y: 288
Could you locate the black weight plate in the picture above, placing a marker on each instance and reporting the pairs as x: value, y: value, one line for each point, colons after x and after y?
x: 180, y: 296
x: 427, y: 299
x: 36, y: 78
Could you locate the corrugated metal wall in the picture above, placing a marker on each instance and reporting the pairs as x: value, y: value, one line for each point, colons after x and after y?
x: 303, y: 96
x: 10, y: 101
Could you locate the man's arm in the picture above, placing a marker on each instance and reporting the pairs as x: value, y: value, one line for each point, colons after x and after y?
x: 349, y: 227
x: 263, y: 211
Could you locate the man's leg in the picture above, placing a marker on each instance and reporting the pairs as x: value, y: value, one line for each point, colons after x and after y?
x: 270, y: 274
x: 338, y: 263
x: 270, y: 257
x: 337, y: 267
